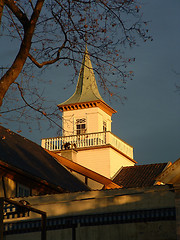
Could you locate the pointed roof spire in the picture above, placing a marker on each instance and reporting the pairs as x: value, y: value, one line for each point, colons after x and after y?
x: 86, y: 89
x: 87, y: 93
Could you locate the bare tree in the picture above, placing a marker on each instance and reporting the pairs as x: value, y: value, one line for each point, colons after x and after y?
x: 56, y: 31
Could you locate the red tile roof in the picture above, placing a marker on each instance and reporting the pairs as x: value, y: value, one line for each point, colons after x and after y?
x: 139, y: 175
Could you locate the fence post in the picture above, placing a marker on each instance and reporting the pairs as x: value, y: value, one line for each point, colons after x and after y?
x: 1, y: 217
x: 43, y: 227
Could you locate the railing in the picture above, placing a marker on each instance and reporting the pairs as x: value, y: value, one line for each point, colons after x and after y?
x: 87, y: 140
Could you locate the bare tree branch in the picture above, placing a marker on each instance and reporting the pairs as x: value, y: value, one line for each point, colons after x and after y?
x: 40, y: 65
x: 1, y: 9
x: 36, y: 109
x: 17, y: 12
x: 56, y: 31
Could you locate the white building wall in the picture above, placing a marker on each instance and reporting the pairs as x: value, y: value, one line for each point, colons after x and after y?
x: 90, y: 183
x: 105, y: 161
x: 94, y: 120
x: 99, y: 202
x: 117, y: 161
x: 97, y: 160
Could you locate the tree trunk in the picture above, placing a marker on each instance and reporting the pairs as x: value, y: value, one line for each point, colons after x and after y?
x: 13, y: 72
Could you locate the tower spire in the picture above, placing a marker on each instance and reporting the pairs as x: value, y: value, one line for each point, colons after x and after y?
x: 86, y: 89
x: 86, y: 94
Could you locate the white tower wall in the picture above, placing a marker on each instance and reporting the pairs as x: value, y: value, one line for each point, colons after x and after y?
x: 94, y: 120
x: 105, y: 161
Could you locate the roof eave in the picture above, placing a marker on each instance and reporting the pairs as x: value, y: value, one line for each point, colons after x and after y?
x: 36, y: 182
x: 96, y: 103
x: 108, y: 183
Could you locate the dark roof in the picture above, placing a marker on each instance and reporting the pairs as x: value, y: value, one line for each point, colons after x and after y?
x: 139, y: 175
x: 23, y: 154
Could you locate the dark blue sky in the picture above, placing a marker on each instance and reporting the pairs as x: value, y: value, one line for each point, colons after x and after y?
x: 150, y: 118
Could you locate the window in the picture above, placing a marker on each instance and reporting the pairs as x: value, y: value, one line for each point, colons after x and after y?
x: 23, y: 191
x: 104, y: 126
x: 80, y: 126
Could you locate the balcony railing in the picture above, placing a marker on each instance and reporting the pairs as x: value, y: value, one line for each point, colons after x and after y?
x: 87, y: 140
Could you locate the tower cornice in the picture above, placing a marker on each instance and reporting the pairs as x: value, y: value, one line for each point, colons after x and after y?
x: 91, y: 104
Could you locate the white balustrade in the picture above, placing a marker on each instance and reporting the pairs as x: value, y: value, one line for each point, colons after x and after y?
x: 87, y: 140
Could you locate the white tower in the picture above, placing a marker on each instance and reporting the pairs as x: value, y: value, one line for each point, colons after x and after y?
x: 87, y: 128
x: 85, y: 111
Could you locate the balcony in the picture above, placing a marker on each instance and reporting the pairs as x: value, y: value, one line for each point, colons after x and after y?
x: 87, y: 140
